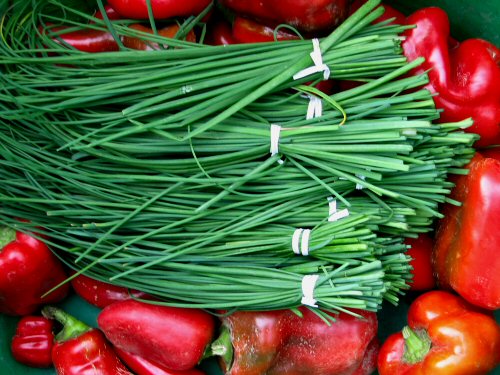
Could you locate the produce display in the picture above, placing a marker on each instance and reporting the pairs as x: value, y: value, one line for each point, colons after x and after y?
x: 247, y: 188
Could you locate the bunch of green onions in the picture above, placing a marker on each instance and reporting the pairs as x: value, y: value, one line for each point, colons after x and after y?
x: 152, y: 169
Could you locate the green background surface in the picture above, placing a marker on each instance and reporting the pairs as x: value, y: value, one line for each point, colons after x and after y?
x: 468, y: 19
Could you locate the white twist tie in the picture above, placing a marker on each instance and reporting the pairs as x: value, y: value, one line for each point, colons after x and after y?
x: 315, y: 107
x: 308, y: 285
x: 333, y: 214
x: 318, y: 67
x: 275, y: 140
x: 300, y: 241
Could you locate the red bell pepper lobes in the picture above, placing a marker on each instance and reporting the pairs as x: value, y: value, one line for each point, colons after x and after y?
x: 467, y: 77
x: 102, y: 294
x: 175, y: 338
x: 467, y: 238
x: 137, y: 9
x: 445, y: 335
x: 421, y: 254
x: 33, y: 341
x: 305, y: 15
x: 28, y: 269
x: 281, y: 342
x: 168, y: 32
x: 246, y: 30
x: 143, y: 366
x: 80, y: 349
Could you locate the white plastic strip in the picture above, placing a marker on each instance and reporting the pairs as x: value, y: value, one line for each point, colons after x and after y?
x: 300, y: 241
x: 304, y: 243
x: 308, y: 286
x: 359, y: 186
x: 318, y: 67
x: 315, y: 107
x: 296, y: 240
x: 333, y: 214
x: 275, y: 140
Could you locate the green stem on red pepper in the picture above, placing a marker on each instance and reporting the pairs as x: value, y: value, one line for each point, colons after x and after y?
x: 417, y: 344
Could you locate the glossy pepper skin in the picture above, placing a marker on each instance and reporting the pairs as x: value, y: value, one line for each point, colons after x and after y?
x: 245, y: 30
x: 281, y: 342
x: 28, y: 269
x: 445, y: 336
x: 143, y: 366
x: 175, y: 338
x: 137, y: 9
x: 80, y: 349
x: 33, y: 341
x: 421, y: 253
x: 86, y: 40
x: 168, y: 32
x: 101, y: 294
x: 305, y: 15
x: 466, y: 77
x: 465, y: 254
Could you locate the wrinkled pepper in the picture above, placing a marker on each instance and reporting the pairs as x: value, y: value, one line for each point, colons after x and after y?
x: 445, y: 335
x: 420, y: 252
x: 305, y: 15
x: 466, y: 76
x: 33, y: 341
x: 102, y: 294
x: 175, y: 338
x: 28, y: 270
x: 284, y: 343
x: 138, y: 9
x: 465, y: 254
x: 80, y: 349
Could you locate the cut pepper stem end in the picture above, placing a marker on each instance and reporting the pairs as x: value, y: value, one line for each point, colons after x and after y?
x: 417, y: 345
x: 223, y: 347
x: 72, y: 327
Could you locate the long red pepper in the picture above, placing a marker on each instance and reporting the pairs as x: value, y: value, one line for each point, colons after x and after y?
x: 33, y: 341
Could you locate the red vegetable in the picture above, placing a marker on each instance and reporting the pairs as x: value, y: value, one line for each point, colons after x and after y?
x: 421, y: 254
x: 33, y: 341
x: 101, y: 294
x: 175, y: 338
x: 142, y: 366
x: 219, y: 32
x: 28, y: 269
x: 466, y: 77
x: 137, y: 9
x: 445, y: 335
x: 168, y: 32
x: 280, y: 342
x: 110, y: 12
x: 248, y: 31
x: 80, y: 349
x: 467, y: 238
x: 305, y: 15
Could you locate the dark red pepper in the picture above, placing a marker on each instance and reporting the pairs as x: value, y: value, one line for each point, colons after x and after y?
x: 219, y: 32
x: 86, y: 40
x: 137, y: 9
x: 102, y: 294
x: 282, y: 343
x: 28, y: 270
x: 246, y: 30
x: 175, y: 338
x: 143, y: 366
x: 168, y: 32
x: 33, y: 341
x: 110, y: 13
x: 421, y: 254
x: 80, y: 349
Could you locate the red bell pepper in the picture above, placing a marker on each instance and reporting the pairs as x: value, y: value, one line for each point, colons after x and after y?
x: 143, y: 366
x: 421, y: 254
x: 175, y: 338
x: 466, y: 246
x: 33, y: 341
x: 305, y: 15
x: 246, y: 30
x: 168, y: 32
x: 110, y: 13
x: 102, y: 294
x: 80, y: 349
x: 86, y: 40
x: 467, y: 77
x: 28, y: 269
x: 445, y: 335
x: 138, y: 9
x: 281, y: 342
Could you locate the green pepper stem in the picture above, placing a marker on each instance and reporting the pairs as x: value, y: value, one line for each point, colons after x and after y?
x: 223, y: 347
x: 417, y: 345
x: 72, y: 327
x: 7, y: 235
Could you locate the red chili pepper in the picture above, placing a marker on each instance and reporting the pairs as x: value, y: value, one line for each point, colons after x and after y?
x: 168, y: 32
x: 80, y: 349
x: 445, y: 335
x: 102, y: 294
x: 142, y: 366
x: 246, y: 30
x: 87, y: 40
x: 305, y: 15
x: 28, y: 270
x: 467, y: 77
x: 281, y: 342
x: 466, y: 249
x: 33, y: 341
x: 175, y: 338
x: 421, y: 254
x: 137, y: 9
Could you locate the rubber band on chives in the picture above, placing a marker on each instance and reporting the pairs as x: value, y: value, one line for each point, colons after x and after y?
x: 333, y: 213
x: 300, y: 241
x: 308, y: 286
x: 275, y: 141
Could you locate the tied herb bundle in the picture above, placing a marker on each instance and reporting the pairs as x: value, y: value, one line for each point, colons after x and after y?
x: 153, y: 169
